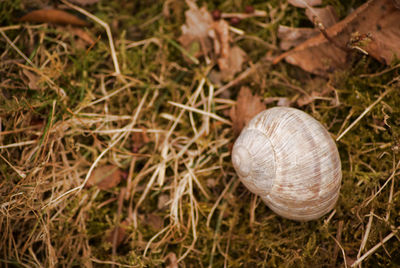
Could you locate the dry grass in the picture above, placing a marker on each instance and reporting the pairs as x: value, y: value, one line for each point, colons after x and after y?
x: 67, y: 107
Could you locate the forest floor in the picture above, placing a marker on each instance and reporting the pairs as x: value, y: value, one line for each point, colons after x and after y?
x: 116, y: 130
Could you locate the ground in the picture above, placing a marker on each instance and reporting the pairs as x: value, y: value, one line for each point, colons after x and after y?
x: 120, y: 155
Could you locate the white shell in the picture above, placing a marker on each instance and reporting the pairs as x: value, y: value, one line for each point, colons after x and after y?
x: 289, y: 159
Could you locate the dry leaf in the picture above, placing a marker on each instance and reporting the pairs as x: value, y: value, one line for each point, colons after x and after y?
x: 235, y: 60
x: 53, y: 16
x: 83, y: 35
x: 305, y: 3
x: 33, y: 79
x: 105, y: 177
x: 121, y: 235
x: 84, y: 2
x: 211, y: 182
x: 247, y: 106
x: 326, y: 15
x: 139, y: 139
x: 291, y: 37
x: 201, y: 36
x: 376, y: 19
x: 196, y: 29
x: 154, y: 221
x: 163, y: 201
x: 173, y: 260
x: 221, y: 43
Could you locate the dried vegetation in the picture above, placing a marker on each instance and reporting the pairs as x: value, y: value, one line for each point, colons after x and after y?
x: 115, y: 137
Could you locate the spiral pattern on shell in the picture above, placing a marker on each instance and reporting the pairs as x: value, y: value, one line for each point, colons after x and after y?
x: 290, y: 160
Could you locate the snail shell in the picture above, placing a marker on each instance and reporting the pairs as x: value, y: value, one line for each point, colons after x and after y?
x: 289, y: 159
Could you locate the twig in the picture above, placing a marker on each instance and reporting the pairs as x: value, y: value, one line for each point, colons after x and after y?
x: 20, y: 173
x: 242, y: 16
x: 322, y: 29
x: 22, y: 143
x: 365, y: 112
x: 367, y: 231
x: 372, y: 250
x: 338, y: 238
x: 118, y: 220
x: 17, y: 49
x: 343, y: 252
x: 185, y: 107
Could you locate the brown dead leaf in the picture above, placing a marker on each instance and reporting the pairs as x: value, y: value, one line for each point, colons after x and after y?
x: 105, y: 177
x: 291, y: 37
x: 221, y: 43
x: 154, y: 221
x: 235, y: 60
x: 84, y: 2
x: 195, y: 30
x: 32, y: 79
x: 139, y: 139
x: 230, y: 59
x: 211, y: 182
x: 55, y: 16
x: 247, y: 106
x: 326, y: 15
x: 379, y: 19
x: 121, y: 235
x: 305, y: 3
x: 83, y: 35
x: 173, y: 260
x: 202, y: 36
x: 163, y: 201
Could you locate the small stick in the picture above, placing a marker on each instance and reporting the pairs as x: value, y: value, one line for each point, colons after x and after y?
x: 343, y: 252
x: 372, y: 250
x: 390, y: 201
x: 242, y: 16
x: 118, y: 220
x: 185, y: 107
x: 367, y: 231
x: 22, y: 143
x: 365, y: 112
x: 20, y: 173
x: 338, y: 238
x: 322, y: 29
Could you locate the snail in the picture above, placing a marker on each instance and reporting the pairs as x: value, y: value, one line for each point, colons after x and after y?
x: 289, y: 159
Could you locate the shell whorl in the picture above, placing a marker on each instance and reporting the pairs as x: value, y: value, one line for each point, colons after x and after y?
x: 289, y: 159
x: 254, y: 160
